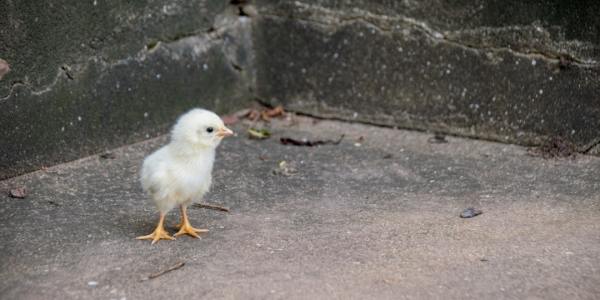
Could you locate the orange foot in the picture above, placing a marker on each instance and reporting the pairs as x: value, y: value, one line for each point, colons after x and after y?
x: 158, y: 233
x: 188, y: 229
x: 185, y: 227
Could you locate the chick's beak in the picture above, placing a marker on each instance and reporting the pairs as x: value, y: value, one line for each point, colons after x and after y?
x: 224, y: 132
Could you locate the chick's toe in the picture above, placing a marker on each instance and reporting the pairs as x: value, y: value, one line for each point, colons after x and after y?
x: 158, y: 233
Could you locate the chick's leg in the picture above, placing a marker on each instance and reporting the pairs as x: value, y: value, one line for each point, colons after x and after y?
x: 158, y: 233
x: 185, y: 227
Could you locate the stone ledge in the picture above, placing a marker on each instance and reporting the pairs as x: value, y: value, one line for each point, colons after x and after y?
x: 405, y: 73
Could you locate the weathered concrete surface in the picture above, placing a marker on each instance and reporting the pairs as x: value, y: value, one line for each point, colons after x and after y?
x: 499, y: 70
x: 88, y: 75
x: 375, y: 221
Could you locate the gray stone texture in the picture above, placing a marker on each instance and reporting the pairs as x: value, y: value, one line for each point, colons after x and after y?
x: 502, y: 70
x: 91, y: 75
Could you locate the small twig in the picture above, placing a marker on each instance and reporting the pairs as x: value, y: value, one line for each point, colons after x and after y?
x: 211, y: 206
x: 173, y: 268
x: 309, y: 143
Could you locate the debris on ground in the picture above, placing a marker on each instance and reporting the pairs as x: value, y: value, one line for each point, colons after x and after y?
x: 265, y: 115
x: 438, y: 138
x: 285, y: 169
x: 53, y: 203
x: 252, y: 115
x: 470, y: 213
x: 359, y: 141
x: 555, y: 147
x: 271, y: 113
x: 291, y: 120
x: 388, y: 156
x: 258, y: 134
x: 108, y: 155
x: 19, y: 193
x: 173, y: 268
x: 211, y: 206
x: 309, y: 143
x: 230, y: 119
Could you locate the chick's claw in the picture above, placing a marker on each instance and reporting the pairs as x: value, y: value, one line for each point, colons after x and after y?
x: 185, y: 227
x: 188, y: 229
x: 158, y: 234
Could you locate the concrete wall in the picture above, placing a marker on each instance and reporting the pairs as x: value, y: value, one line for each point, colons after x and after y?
x: 514, y: 71
x: 92, y: 75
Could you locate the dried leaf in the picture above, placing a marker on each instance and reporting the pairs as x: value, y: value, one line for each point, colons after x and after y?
x: 265, y: 117
x: 252, y: 115
x: 242, y: 113
x: 259, y: 134
x: 275, y: 112
x: 309, y: 143
x: 18, y: 193
x: 230, y: 119
x: 267, y: 114
x: 4, y: 68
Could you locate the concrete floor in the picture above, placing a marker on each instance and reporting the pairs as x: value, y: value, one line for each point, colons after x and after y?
x: 377, y: 219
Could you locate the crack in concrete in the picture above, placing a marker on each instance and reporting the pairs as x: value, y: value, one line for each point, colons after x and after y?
x: 200, y: 44
x: 585, y: 149
x: 334, y: 19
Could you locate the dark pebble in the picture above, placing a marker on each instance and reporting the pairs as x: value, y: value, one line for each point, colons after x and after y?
x: 470, y: 212
x: 108, y: 155
x: 438, y: 138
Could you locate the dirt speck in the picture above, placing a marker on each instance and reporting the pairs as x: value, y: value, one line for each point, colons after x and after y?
x: 438, y: 138
x: 108, y: 155
x: 19, y: 193
x: 554, y: 147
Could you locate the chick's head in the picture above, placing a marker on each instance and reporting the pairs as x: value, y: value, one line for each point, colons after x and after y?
x: 200, y: 128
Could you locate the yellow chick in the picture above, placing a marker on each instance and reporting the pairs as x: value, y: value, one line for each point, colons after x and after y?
x: 180, y: 172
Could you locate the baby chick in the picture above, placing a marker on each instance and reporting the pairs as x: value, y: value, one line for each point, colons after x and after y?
x: 180, y: 172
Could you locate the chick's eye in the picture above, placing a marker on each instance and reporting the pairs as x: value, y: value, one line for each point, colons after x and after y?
x: 209, y: 129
